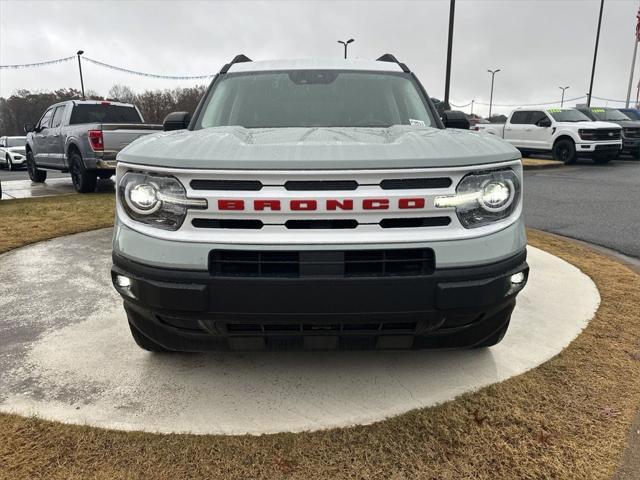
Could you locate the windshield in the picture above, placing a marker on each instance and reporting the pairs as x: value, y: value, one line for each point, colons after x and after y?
x: 103, y: 113
x: 16, y: 141
x: 562, y: 115
x: 608, y: 114
x: 315, y: 98
x: 632, y: 114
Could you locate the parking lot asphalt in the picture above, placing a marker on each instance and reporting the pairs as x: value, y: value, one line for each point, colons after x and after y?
x: 599, y: 204
x: 58, y: 185
x: 21, y: 174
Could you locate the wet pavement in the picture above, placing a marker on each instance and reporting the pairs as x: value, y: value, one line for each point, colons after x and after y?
x: 13, y: 189
x: 66, y: 354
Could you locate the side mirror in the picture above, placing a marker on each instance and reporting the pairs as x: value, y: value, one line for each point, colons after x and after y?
x: 29, y: 127
x: 544, y: 122
x: 176, y: 121
x: 455, y: 120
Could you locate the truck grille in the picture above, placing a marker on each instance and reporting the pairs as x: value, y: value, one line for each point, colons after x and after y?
x: 323, y: 263
x: 320, y: 185
x: 325, y: 224
x: 606, y: 134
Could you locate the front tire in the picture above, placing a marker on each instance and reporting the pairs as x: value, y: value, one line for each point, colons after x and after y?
x: 144, y: 342
x: 84, y: 181
x: 565, y: 151
x: 36, y: 176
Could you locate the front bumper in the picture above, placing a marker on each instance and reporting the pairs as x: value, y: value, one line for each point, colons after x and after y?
x: 194, y: 310
x: 593, y: 148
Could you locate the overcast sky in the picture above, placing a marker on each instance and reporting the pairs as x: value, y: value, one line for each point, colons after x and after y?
x: 539, y: 45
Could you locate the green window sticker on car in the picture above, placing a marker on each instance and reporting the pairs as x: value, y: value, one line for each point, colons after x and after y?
x: 597, y: 110
x: 554, y: 110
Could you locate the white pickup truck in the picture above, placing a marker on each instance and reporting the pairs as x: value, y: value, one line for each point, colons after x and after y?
x: 565, y: 133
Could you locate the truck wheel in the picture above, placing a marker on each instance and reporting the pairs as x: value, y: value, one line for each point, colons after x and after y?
x: 494, y: 339
x: 9, y: 163
x: 635, y: 153
x: 37, y: 176
x: 565, y: 151
x: 84, y: 181
x: 144, y: 342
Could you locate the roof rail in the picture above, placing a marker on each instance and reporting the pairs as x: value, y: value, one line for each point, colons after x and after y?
x: 387, y: 57
x: 237, y: 59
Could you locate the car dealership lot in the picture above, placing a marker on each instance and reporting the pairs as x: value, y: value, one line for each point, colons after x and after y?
x: 595, y: 203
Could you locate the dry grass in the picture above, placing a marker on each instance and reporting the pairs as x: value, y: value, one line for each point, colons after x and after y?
x: 565, y: 419
x: 32, y: 220
x: 535, y: 163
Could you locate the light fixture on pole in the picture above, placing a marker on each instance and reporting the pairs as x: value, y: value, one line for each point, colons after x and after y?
x: 345, y: 45
x: 493, y: 74
x: 562, y: 99
x: 80, y: 52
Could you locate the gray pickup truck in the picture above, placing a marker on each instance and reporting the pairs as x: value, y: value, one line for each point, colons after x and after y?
x: 83, y: 138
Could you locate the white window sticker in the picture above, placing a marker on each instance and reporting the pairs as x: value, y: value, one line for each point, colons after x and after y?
x: 416, y: 123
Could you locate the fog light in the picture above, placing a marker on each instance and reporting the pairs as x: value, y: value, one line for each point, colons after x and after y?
x: 123, y: 282
x: 517, y: 278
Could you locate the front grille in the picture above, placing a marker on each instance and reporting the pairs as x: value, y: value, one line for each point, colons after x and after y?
x: 324, y: 224
x: 320, y: 185
x: 309, y: 328
x: 607, y: 148
x: 415, y: 222
x: 227, y: 185
x: 415, y: 183
x: 320, y: 224
x: 323, y: 263
x: 606, y: 134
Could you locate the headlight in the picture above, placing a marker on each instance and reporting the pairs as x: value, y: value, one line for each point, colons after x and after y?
x: 587, y: 134
x: 156, y: 200
x: 17, y: 157
x: 483, y: 198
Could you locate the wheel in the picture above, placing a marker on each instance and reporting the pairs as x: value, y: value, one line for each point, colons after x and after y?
x: 565, y: 151
x: 144, y: 342
x: 9, y: 163
x: 495, y: 338
x: 84, y: 181
x: 37, y: 176
x: 635, y: 153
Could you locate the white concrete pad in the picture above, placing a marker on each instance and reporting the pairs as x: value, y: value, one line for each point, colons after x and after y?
x: 66, y: 354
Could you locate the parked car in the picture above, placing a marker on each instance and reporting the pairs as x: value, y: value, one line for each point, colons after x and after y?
x: 630, y: 128
x: 82, y: 137
x: 632, y: 113
x: 565, y: 133
x: 12, y: 152
x: 318, y: 204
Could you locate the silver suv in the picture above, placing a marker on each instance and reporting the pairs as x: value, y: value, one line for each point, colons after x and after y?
x: 318, y: 204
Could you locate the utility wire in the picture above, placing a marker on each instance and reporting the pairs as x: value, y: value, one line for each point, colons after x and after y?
x: 144, y: 74
x: 37, y: 64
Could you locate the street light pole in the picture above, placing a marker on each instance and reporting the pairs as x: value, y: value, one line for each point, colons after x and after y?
x: 345, y: 46
x: 562, y: 100
x: 447, y: 80
x: 595, y: 55
x: 493, y: 74
x: 80, y: 52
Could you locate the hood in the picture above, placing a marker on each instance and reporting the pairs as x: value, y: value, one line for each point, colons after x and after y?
x: 22, y: 150
x: 589, y: 124
x: 317, y: 148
